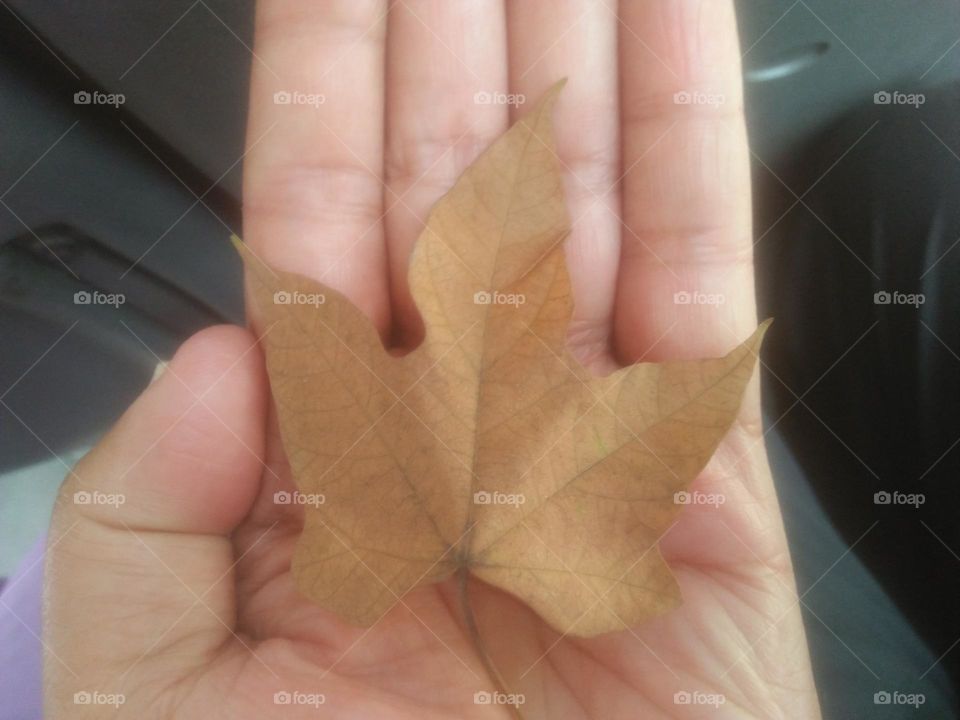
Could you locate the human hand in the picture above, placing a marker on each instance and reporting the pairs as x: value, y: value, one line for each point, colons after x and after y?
x: 181, y: 598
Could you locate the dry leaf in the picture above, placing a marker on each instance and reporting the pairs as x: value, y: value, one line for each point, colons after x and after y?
x: 488, y: 449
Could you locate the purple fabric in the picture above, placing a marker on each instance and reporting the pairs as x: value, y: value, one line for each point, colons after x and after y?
x: 20, y: 653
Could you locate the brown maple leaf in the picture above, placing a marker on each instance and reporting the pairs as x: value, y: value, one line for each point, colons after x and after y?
x: 488, y: 449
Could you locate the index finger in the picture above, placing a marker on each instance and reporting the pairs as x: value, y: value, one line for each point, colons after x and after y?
x: 313, y: 190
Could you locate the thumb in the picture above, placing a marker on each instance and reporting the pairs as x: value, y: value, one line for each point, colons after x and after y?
x: 139, y: 561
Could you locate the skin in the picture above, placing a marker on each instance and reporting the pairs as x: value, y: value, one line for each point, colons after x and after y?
x: 181, y: 597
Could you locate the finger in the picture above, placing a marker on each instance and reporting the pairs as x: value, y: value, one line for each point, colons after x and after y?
x: 446, y: 71
x: 686, y: 186
x: 313, y: 193
x: 140, y: 559
x: 577, y: 40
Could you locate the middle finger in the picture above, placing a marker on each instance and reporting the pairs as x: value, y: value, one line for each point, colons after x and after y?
x: 444, y: 61
x: 577, y: 39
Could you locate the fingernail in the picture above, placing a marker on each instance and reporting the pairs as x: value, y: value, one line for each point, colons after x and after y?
x: 158, y: 371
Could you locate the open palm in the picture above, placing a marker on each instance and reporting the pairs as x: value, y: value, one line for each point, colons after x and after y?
x: 737, y: 636
x: 180, y: 598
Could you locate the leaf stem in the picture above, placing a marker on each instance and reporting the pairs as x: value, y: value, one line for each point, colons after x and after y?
x: 470, y: 618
